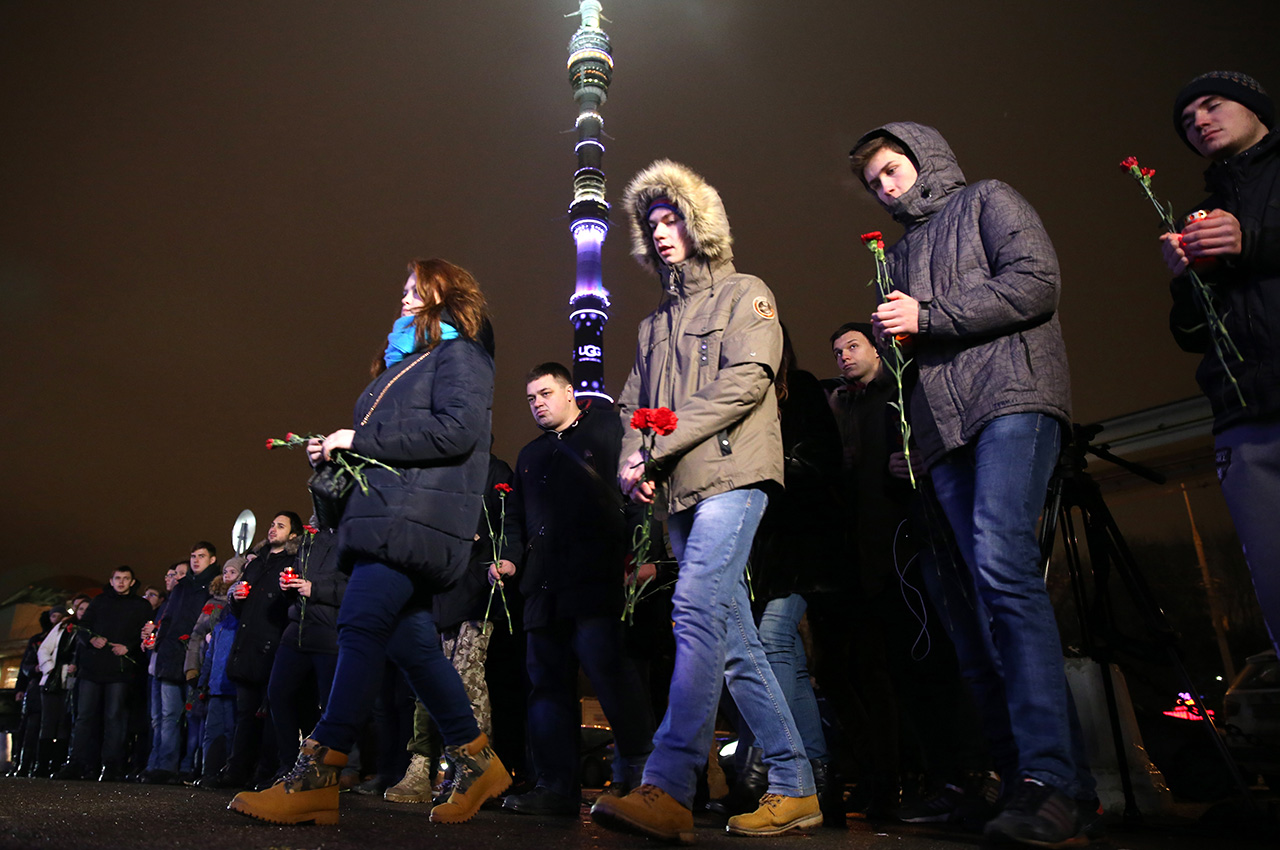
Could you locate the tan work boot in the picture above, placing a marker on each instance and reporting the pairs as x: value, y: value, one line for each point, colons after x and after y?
x: 415, y: 786
x: 478, y: 775
x: 649, y: 811
x: 777, y: 814
x: 307, y: 794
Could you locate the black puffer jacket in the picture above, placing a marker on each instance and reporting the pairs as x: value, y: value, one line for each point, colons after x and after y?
x: 981, y: 264
x: 261, y: 616
x: 119, y: 618
x: 313, y: 621
x: 1248, y: 289
x: 470, y: 595
x: 429, y: 417
x: 567, y: 531
x: 177, y: 619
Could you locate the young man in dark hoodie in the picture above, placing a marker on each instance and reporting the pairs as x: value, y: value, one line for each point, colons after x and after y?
x: 1228, y: 118
x: 709, y: 352
x: 109, y: 662
x: 977, y: 288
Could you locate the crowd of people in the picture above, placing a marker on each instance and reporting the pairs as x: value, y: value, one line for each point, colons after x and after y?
x: 860, y: 602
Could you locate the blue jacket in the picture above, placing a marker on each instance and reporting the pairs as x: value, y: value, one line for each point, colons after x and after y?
x: 429, y: 417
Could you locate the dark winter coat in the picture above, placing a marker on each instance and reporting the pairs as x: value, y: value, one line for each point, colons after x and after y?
x: 262, y: 616
x: 470, y: 595
x: 1247, y: 289
x: 119, y: 618
x: 313, y: 620
x: 980, y: 263
x: 178, y: 619
x: 567, y: 531
x: 801, y: 544
x: 428, y: 416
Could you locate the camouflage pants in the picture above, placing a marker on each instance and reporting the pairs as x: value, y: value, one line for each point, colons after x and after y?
x: 466, y: 648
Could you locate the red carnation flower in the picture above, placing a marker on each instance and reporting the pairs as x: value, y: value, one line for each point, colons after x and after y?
x: 640, y: 419
x: 1128, y: 162
x: 184, y: 637
x: 502, y: 487
x: 663, y: 421
x: 1148, y: 172
x: 310, y: 529
x: 873, y: 236
x: 189, y: 706
x: 291, y: 436
x: 271, y: 444
x: 880, y: 244
x: 207, y: 609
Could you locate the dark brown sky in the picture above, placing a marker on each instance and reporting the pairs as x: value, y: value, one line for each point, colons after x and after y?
x: 206, y: 207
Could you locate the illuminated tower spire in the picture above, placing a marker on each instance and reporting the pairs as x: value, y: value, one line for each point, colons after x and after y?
x: 590, y: 69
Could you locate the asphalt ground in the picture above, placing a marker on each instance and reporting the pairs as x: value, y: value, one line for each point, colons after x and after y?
x: 42, y: 813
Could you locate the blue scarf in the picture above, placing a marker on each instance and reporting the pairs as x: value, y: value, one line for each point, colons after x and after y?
x: 403, y: 339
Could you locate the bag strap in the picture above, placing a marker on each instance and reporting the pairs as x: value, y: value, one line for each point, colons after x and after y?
x: 376, y: 401
x: 611, y: 493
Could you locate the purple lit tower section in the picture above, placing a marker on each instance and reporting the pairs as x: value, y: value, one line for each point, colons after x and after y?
x: 590, y: 69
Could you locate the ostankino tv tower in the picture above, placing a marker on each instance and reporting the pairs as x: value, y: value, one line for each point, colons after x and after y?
x: 590, y: 70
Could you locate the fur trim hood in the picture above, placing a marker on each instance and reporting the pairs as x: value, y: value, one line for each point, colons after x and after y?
x: 704, y: 217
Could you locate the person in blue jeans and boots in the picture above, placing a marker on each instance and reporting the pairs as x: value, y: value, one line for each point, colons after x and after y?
x: 405, y: 536
x: 709, y: 353
x: 976, y: 299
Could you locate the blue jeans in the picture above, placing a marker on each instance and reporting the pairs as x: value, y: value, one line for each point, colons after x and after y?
x: 219, y: 729
x: 993, y: 491
x: 1249, y: 471
x: 167, y: 703
x: 716, y: 635
x: 383, y: 616
x: 780, y: 636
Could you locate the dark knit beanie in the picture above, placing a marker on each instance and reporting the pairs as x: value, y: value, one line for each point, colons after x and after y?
x: 1232, y: 85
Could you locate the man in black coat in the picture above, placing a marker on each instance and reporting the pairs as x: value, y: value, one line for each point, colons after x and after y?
x: 262, y: 609
x: 172, y: 632
x: 108, y: 663
x: 1228, y: 118
x: 567, y: 531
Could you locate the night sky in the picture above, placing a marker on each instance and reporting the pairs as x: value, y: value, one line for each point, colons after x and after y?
x: 206, y: 208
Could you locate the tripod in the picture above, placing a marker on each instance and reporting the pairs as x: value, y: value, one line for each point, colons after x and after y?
x: 1071, y: 487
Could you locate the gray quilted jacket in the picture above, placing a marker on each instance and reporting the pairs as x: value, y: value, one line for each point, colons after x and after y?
x: 981, y: 264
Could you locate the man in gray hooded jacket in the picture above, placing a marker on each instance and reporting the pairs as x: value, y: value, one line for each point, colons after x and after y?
x: 709, y: 352
x: 977, y: 288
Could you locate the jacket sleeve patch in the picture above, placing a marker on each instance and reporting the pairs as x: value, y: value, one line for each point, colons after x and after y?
x: 763, y: 308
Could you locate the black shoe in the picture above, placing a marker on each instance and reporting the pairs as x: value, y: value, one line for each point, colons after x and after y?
x: 972, y: 803
x: 159, y: 777
x: 1039, y: 815
x: 542, y: 801
x: 1091, y: 818
x: 70, y: 770
x: 225, y: 780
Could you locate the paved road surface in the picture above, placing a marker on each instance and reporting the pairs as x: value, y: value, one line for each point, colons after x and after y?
x: 41, y: 813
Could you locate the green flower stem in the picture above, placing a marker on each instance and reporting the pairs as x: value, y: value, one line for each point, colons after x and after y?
x: 1223, y: 345
x: 497, y: 541
x: 897, y: 362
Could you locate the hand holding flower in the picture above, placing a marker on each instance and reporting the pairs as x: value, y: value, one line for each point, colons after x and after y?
x: 899, y: 314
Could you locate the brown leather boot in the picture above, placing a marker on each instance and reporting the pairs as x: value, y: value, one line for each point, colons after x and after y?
x: 307, y: 794
x: 648, y: 810
x: 478, y: 775
x: 777, y: 814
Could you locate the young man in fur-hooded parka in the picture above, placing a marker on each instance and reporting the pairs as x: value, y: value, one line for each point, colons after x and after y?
x: 709, y: 352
